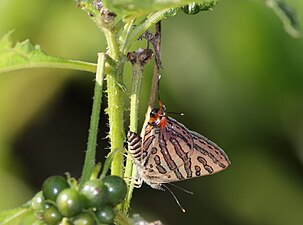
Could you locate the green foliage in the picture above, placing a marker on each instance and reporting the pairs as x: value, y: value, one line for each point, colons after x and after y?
x: 137, y: 8
x: 26, y: 55
x: 194, y: 8
x: 22, y: 215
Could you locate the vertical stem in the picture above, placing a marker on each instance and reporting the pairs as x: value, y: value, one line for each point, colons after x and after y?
x: 113, y: 50
x: 115, y: 104
x: 116, y: 120
x: 121, y: 219
x: 152, y: 96
x: 130, y: 169
x: 94, y: 122
x: 123, y: 37
x: 144, y: 26
x: 135, y: 96
x: 155, y: 80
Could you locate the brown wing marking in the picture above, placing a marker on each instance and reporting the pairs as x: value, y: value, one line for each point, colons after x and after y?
x: 208, y: 155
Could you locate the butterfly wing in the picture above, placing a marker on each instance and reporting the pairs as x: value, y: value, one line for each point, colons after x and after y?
x: 174, y: 153
x: 207, y: 158
x: 166, y: 150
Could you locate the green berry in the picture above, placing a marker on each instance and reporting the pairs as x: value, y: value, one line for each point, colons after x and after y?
x: 95, y: 193
x: 52, y: 186
x: 106, y: 215
x: 84, y: 219
x: 70, y: 202
x: 116, y: 188
x: 51, y: 215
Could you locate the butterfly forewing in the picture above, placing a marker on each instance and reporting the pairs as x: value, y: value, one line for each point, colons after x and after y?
x: 166, y: 148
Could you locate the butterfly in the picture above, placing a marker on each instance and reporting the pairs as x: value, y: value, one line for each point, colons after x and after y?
x: 169, y: 152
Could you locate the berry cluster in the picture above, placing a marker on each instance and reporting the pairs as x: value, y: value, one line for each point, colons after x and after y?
x: 91, y: 204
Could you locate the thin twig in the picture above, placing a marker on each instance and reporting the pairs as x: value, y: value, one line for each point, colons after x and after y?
x: 156, y: 77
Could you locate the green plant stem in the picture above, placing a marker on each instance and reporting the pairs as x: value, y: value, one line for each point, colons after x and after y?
x: 142, y: 27
x: 130, y: 169
x: 116, y: 122
x: 115, y: 93
x: 137, y: 76
x: 115, y: 104
x: 124, y: 35
x: 121, y: 219
x: 113, y: 50
x: 114, y: 79
x: 94, y: 122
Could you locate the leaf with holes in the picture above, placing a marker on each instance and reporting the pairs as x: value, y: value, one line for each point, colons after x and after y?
x: 137, y: 8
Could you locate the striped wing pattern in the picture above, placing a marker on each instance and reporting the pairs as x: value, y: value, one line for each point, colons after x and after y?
x: 170, y: 152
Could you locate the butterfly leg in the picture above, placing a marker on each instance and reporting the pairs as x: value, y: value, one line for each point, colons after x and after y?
x: 127, y: 155
x: 157, y: 186
x: 137, y: 182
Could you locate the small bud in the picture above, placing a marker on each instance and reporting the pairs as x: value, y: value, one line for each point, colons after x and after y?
x: 141, y: 56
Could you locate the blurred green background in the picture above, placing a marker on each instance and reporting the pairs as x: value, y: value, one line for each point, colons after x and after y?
x: 234, y: 72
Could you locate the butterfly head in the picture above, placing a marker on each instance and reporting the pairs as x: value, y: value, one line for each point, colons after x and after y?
x: 158, y: 116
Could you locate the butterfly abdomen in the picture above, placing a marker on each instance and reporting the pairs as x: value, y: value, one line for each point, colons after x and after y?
x: 134, y: 145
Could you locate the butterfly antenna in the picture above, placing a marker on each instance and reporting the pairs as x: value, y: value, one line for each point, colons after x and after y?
x: 157, y: 48
x: 177, y: 113
x: 174, y: 196
x: 182, y: 189
x: 158, y: 87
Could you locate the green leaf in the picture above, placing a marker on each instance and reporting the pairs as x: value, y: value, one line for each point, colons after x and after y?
x: 22, y: 215
x: 137, y: 8
x: 287, y: 15
x: 26, y: 55
x: 194, y: 8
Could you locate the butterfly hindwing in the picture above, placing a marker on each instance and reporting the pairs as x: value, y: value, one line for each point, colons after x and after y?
x: 207, y: 158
